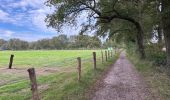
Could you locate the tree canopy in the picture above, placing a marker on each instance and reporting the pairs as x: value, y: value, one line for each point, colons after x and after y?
x: 104, y: 11
x: 136, y: 21
x: 56, y: 43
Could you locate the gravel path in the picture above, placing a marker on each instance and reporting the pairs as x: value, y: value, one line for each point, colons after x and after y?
x: 123, y: 83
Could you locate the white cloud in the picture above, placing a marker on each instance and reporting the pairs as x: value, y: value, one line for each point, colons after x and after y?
x: 3, y: 14
x: 6, y: 33
x: 38, y: 18
x: 23, y: 35
x: 30, y: 13
x: 5, y: 17
x: 27, y: 3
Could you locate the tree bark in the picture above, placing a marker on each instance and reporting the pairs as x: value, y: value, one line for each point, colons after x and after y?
x: 140, y: 39
x: 159, y: 29
x: 140, y: 29
x: 166, y: 27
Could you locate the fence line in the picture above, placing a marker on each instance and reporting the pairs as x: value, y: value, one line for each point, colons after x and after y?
x: 93, y: 58
x: 69, y: 61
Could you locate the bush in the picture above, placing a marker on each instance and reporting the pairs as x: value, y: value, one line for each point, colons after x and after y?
x: 155, y: 54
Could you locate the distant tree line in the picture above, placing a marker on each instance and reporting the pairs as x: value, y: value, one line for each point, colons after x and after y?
x: 59, y: 42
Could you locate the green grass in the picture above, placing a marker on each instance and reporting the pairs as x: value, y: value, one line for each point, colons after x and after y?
x: 42, y: 58
x: 157, y: 80
x: 60, y: 85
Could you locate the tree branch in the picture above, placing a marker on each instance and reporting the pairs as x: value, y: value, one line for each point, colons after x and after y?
x: 91, y: 8
x: 110, y: 35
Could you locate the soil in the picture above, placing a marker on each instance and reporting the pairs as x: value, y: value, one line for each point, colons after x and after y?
x: 17, y: 74
x: 123, y: 82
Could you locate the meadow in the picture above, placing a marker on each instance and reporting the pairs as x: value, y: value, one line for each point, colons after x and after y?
x: 56, y: 73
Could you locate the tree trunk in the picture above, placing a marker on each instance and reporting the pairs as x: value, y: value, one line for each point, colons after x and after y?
x: 159, y: 29
x: 139, y: 37
x: 140, y: 29
x: 166, y: 27
x: 167, y: 43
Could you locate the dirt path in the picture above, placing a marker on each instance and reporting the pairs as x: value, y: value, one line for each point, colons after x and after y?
x: 123, y: 83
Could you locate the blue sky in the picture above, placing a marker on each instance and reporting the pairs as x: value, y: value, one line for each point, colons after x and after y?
x: 24, y: 19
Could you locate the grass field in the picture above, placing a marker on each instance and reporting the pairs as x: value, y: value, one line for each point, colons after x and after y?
x: 56, y: 74
x: 42, y: 58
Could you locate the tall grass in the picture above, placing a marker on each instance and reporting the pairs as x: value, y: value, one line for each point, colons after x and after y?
x: 157, y: 80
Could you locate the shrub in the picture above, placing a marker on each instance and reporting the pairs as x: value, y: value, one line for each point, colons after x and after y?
x: 155, y: 54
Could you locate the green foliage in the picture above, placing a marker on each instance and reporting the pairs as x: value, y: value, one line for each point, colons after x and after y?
x: 105, y: 13
x: 66, y: 12
x: 59, y: 42
x: 123, y: 20
x: 154, y: 53
x: 154, y: 78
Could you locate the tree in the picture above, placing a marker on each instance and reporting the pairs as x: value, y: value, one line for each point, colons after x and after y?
x: 17, y: 44
x: 166, y: 27
x: 3, y: 44
x: 85, y: 41
x: 63, y: 41
x: 105, y: 11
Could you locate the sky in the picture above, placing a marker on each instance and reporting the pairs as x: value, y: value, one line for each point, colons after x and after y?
x: 24, y: 19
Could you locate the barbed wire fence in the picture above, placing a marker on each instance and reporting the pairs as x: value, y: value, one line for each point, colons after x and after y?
x: 78, y: 64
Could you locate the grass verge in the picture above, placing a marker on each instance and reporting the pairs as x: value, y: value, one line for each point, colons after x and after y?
x: 157, y: 79
x: 70, y: 89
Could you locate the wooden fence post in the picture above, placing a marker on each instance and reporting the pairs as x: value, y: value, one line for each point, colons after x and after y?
x: 33, y: 81
x: 11, y: 61
x: 102, y: 56
x: 106, y: 55
x: 94, y: 59
x: 111, y: 53
x: 79, y: 68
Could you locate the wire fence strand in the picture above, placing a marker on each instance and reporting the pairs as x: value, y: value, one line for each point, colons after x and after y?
x: 87, y: 62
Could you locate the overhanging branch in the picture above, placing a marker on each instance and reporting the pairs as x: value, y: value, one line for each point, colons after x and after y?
x: 116, y: 31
